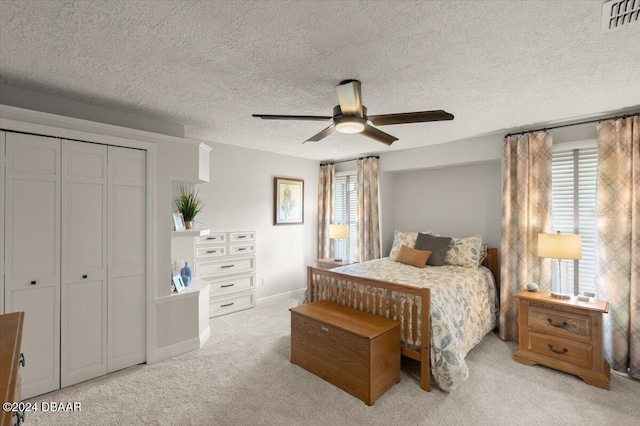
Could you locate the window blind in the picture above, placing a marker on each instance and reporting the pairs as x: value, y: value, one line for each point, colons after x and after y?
x: 574, y: 175
x: 345, y: 212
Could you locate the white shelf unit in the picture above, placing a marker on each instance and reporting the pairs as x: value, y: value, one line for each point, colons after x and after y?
x: 193, y: 232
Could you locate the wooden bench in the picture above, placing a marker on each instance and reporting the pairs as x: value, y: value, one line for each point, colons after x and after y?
x: 356, y: 351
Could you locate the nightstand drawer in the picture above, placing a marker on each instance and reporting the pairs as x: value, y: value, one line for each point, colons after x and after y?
x: 576, y: 353
x: 558, y: 323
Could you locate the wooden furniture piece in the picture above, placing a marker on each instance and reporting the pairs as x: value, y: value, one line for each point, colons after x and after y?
x: 75, y: 257
x: 226, y: 260
x: 565, y: 334
x: 10, y: 360
x: 330, y: 263
x: 354, y: 350
x: 368, y: 295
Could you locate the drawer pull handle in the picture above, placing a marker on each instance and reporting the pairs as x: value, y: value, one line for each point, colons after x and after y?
x: 212, y: 238
x: 212, y: 251
x: 228, y: 304
x: 563, y: 325
x: 242, y: 248
x: 242, y: 236
x: 33, y: 283
x: 324, y: 328
x: 562, y: 352
x: 227, y: 285
x: 22, y: 361
x: 226, y: 266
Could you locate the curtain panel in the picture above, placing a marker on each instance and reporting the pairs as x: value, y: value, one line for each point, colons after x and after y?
x: 618, y: 240
x: 325, y: 210
x: 526, y: 211
x: 368, y: 244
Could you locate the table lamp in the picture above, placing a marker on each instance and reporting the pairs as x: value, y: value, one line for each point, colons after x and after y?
x: 560, y: 247
x: 338, y: 232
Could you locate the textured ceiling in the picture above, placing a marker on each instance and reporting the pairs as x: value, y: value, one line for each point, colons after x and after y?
x: 209, y: 65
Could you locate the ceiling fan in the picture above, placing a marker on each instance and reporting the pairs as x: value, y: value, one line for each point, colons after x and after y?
x: 351, y: 116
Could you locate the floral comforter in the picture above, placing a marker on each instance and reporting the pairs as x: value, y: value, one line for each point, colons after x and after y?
x: 463, y: 309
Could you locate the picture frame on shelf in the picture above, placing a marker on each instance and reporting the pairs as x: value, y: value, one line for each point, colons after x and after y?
x: 288, y: 201
x: 178, y: 222
x: 178, y: 283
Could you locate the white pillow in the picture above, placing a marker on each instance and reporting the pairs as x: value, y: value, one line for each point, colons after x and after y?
x: 408, y: 239
x: 464, y: 252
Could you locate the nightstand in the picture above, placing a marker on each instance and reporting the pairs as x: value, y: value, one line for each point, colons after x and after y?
x: 331, y: 263
x: 564, y: 334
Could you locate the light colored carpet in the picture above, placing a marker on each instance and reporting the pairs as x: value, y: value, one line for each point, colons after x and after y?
x: 243, y: 376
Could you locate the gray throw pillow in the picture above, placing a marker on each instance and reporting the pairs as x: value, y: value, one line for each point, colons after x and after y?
x: 438, y: 247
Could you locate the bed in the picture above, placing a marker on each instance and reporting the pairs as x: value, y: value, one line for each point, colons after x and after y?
x: 443, y: 311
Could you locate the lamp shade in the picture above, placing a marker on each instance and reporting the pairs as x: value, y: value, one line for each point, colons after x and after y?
x: 559, y: 246
x: 338, y: 231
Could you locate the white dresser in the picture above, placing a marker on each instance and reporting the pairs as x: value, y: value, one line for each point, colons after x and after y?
x: 227, y: 261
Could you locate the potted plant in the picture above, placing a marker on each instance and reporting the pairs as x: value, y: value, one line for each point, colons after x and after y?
x: 188, y: 204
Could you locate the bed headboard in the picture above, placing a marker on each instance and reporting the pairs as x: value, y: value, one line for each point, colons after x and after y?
x: 492, y: 262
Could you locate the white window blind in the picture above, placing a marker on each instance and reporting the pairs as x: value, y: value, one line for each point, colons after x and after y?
x: 345, y: 212
x: 574, y: 209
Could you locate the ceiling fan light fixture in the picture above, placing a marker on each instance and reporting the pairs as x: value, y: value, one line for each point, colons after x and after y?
x: 350, y: 125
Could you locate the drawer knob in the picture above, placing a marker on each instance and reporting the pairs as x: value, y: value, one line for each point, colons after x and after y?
x: 562, y: 352
x: 563, y: 325
x: 22, y: 362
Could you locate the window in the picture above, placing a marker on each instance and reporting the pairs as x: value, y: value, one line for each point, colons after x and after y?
x: 574, y: 209
x: 345, y: 212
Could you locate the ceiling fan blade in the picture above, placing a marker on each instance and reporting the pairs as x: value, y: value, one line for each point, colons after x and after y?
x: 323, y: 134
x: 350, y: 97
x: 292, y: 117
x: 379, y: 135
x: 410, y: 117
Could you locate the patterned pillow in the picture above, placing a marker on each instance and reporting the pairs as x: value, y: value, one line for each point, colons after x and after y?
x: 404, y: 239
x: 464, y: 252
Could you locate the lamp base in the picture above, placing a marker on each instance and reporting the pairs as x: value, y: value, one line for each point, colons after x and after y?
x: 560, y: 295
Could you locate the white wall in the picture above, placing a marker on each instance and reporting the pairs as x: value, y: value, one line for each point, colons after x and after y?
x: 240, y: 196
x: 454, y: 201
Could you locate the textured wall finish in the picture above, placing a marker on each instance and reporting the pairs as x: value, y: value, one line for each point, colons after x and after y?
x: 210, y: 64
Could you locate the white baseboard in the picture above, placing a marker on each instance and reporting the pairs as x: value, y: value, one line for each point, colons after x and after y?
x: 179, y: 348
x: 205, y: 336
x: 281, y: 297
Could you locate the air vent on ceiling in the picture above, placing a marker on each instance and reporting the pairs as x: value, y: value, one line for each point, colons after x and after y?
x: 618, y: 14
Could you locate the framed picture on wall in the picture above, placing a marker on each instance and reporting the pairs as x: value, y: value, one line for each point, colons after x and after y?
x: 288, y: 201
x: 178, y: 222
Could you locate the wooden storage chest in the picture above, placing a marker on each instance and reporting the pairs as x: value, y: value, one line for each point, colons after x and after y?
x: 356, y: 351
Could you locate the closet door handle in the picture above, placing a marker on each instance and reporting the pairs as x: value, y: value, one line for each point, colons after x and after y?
x: 85, y: 276
x: 33, y: 283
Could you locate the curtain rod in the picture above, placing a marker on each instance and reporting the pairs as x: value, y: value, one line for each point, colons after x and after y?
x: 544, y: 129
x: 324, y: 163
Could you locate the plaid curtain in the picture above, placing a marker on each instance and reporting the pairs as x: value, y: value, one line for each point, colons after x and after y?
x: 618, y: 240
x: 325, y: 210
x: 526, y: 211
x: 368, y: 244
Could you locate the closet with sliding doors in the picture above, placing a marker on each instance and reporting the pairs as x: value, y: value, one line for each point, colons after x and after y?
x: 74, y: 256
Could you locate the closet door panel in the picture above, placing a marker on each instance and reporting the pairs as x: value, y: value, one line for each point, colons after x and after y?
x: 32, y: 254
x: 84, y: 260
x: 127, y: 250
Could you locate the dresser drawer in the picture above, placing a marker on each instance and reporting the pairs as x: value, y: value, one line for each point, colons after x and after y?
x: 214, y: 238
x: 231, y: 304
x: 576, y: 353
x: 225, y: 266
x: 240, y: 249
x: 207, y: 252
x: 230, y: 285
x: 566, y: 324
x: 241, y: 237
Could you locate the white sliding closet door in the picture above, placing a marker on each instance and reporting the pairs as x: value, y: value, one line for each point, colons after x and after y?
x: 32, y: 254
x: 127, y: 254
x: 84, y: 262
